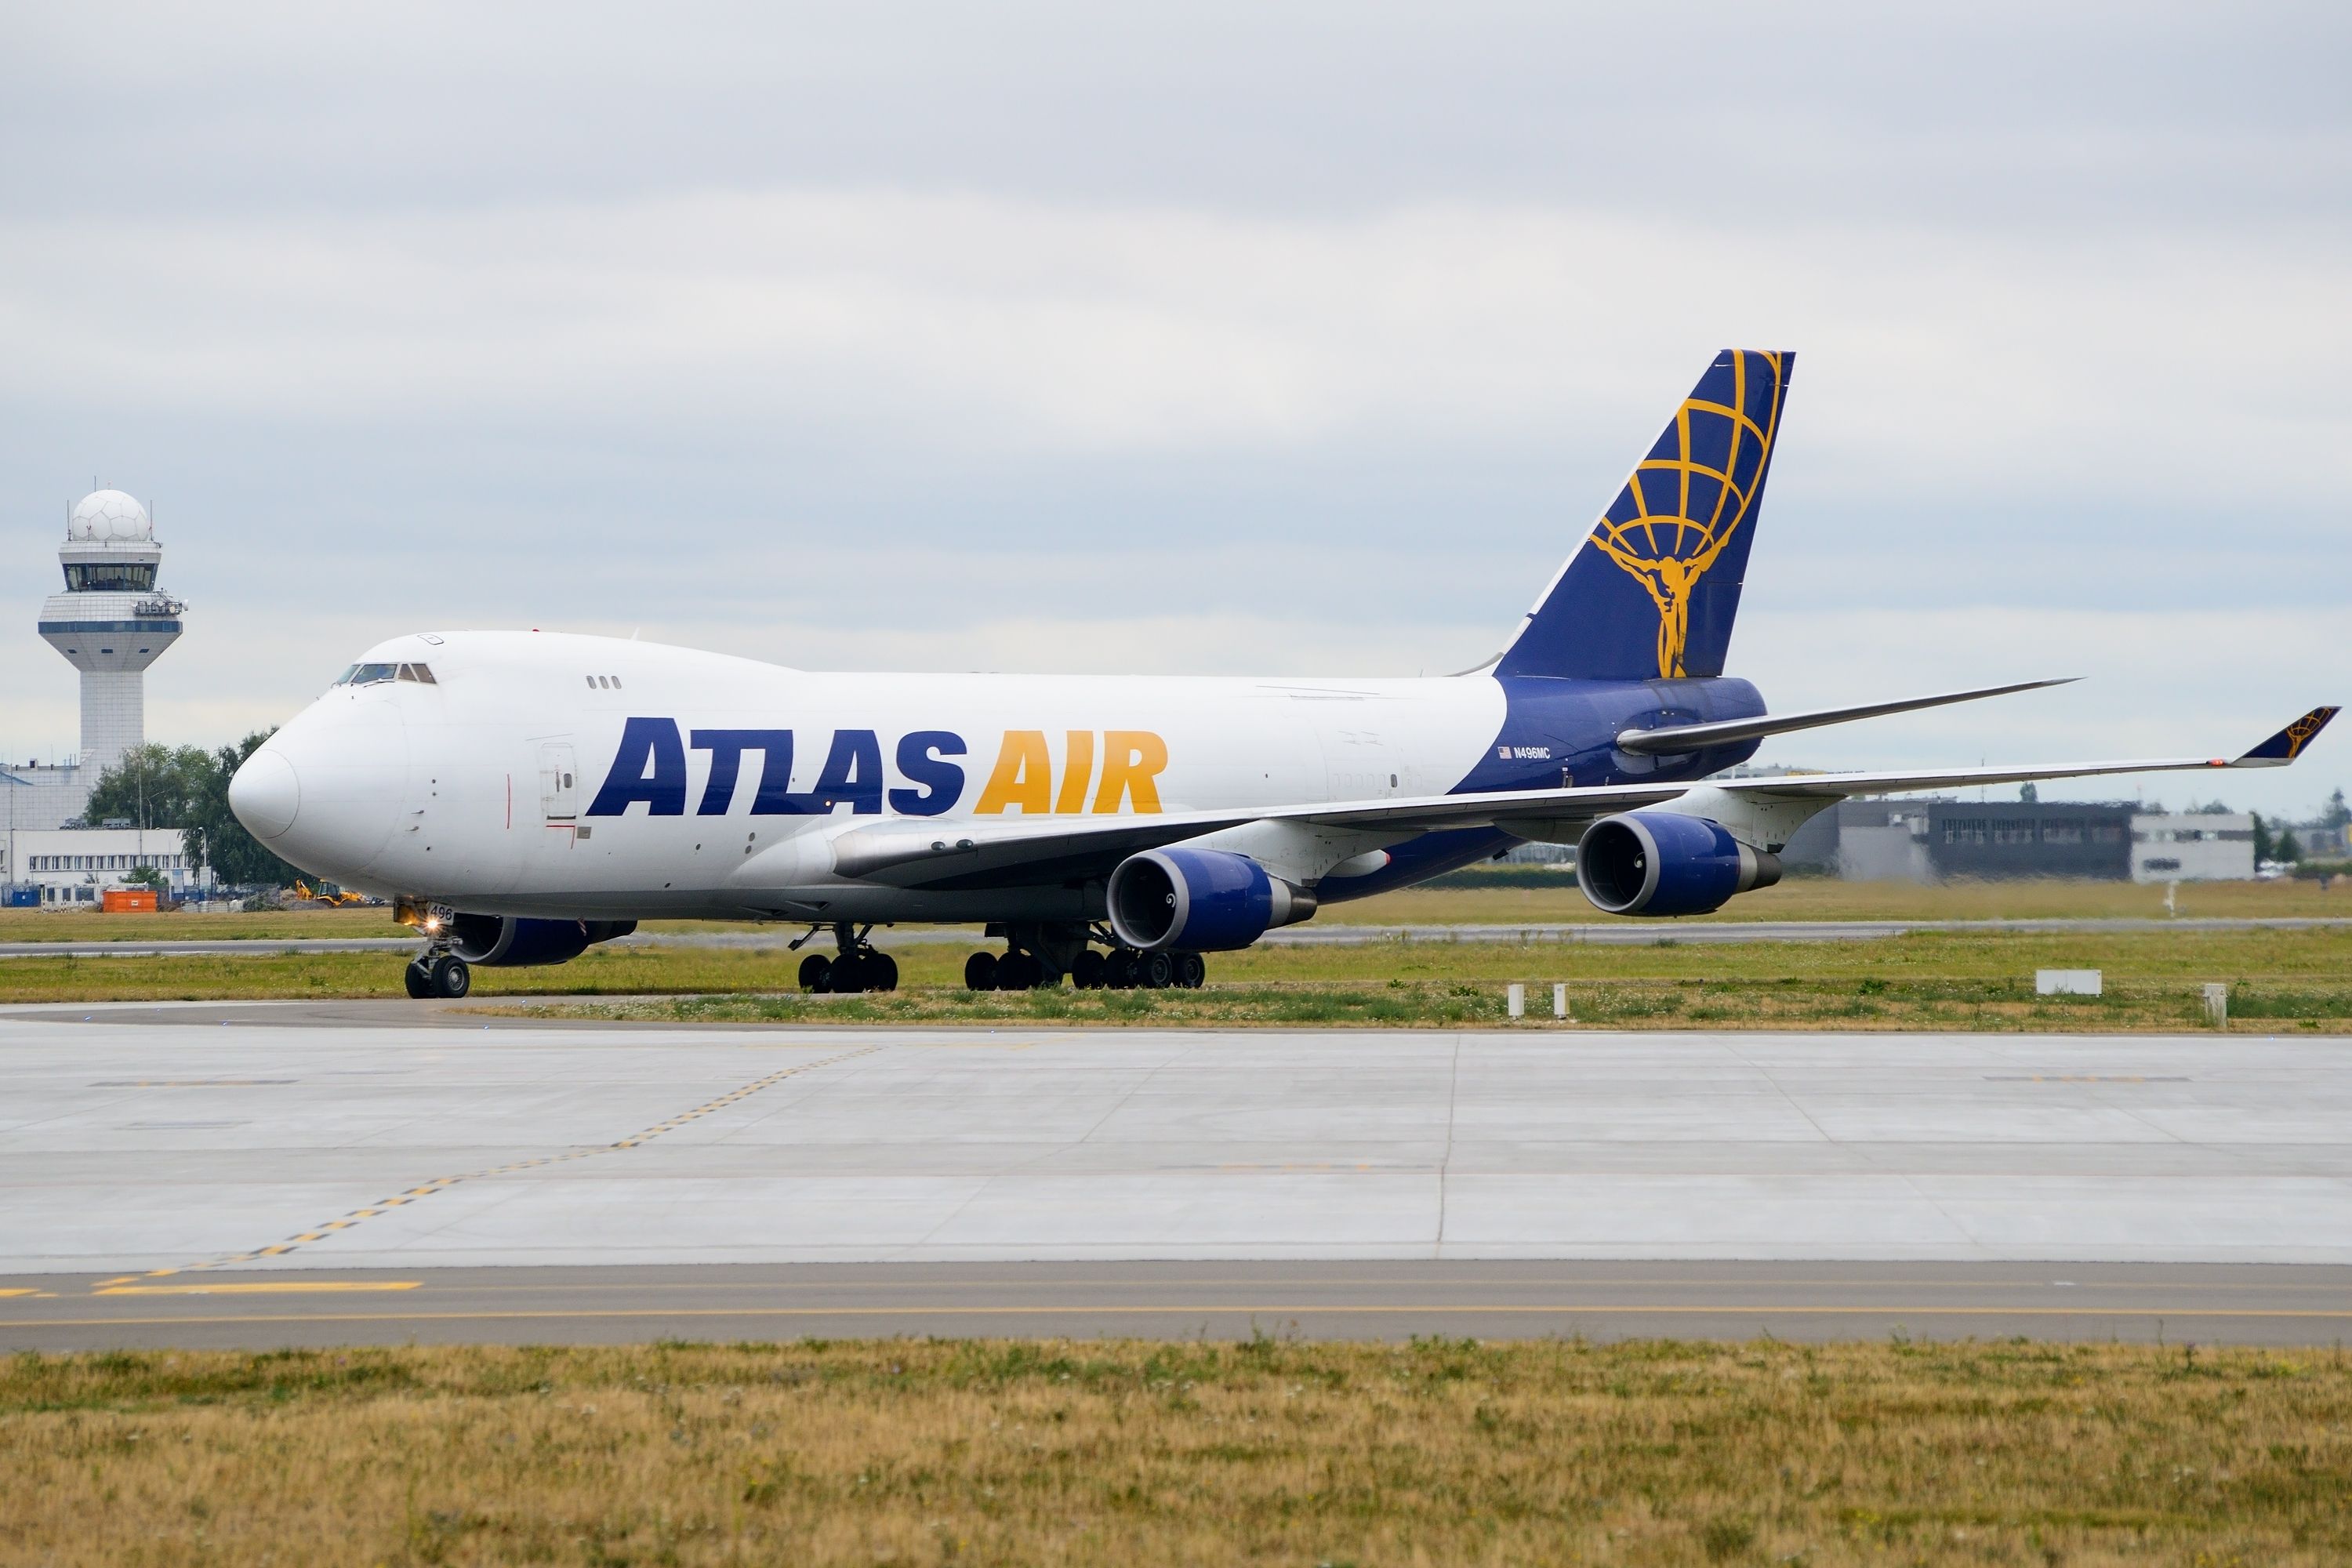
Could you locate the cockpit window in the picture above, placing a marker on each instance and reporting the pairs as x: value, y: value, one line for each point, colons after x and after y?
x: 417, y: 672
x: 368, y: 674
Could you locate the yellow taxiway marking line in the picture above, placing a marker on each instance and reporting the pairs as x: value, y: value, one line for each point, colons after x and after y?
x: 291, y: 1288
x: 427, y: 1189
x: 1200, y: 1307
x: 23, y: 1291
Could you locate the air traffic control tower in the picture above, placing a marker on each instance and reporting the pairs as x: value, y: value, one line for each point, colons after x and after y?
x: 112, y: 622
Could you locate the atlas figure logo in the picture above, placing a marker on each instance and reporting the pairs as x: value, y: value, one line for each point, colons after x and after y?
x: 1686, y: 500
x: 650, y: 767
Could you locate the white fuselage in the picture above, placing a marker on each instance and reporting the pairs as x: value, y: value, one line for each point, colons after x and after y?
x: 514, y: 783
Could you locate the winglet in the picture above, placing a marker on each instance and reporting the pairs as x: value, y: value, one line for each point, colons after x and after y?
x: 2288, y: 744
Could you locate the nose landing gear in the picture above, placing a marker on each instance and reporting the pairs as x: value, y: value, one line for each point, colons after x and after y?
x: 447, y: 976
x: 438, y: 971
x: 859, y: 966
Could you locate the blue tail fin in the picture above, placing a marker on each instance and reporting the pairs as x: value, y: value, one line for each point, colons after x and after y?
x: 1651, y: 594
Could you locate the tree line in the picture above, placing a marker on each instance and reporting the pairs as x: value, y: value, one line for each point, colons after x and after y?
x: 187, y: 787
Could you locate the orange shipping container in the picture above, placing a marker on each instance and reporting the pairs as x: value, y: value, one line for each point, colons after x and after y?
x: 127, y: 900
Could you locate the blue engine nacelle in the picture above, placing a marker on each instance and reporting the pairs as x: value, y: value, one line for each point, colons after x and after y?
x: 1657, y: 863
x: 1199, y: 901
x: 506, y: 942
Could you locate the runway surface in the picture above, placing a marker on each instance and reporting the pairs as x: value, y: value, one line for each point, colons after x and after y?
x: 1618, y: 935
x: 2242, y: 1304
x: 195, y: 1149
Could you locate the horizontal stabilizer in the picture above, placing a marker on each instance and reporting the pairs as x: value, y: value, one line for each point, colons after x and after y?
x: 2288, y: 744
x: 1679, y: 738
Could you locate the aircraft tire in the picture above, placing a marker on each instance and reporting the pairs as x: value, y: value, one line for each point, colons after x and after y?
x: 1118, y: 969
x: 979, y: 972
x: 1192, y: 969
x: 1086, y: 970
x: 851, y: 973
x: 1157, y: 970
x: 418, y: 979
x: 881, y: 972
x: 1019, y: 971
x: 816, y: 971
x: 452, y: 978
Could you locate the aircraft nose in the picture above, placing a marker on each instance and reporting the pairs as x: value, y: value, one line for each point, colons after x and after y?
x: 266, y: 794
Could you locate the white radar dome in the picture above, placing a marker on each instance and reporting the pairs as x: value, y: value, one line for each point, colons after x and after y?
x: 106, y: 517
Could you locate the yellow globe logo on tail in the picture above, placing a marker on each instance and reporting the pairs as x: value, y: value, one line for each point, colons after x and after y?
x: 1686, y: 500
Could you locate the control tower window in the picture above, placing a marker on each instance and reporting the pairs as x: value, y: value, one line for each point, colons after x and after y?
x: 109, y: 576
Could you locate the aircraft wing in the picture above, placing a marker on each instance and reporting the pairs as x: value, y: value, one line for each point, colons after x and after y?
x: 963, y: 853
x: 1673, y: 738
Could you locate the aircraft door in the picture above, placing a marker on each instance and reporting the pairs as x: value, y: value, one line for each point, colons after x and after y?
x: 559, y: 782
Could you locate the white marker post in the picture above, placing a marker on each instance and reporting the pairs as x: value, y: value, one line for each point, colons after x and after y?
x: 1518, y: 996
x: 1559, y: 999
x: 2217, y: 1005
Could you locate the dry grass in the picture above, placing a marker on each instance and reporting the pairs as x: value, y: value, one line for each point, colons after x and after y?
x: 2294, y: 979
x: 1138, y: 1453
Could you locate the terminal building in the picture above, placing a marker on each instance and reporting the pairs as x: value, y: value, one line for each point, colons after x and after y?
x: 1885, y: 839
x: 110, y: 620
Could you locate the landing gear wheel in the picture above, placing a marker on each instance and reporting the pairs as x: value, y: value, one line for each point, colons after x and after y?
x: 451, y: 978
x: 1019, y: 971
x: 1086, y: 970
x: 1118, y: 969
x: 418, y: 978
x: 1190, y: 970
x: 1157, y: 972
x: 881, y: 971
x: 979, y: 972
x: 851, y: 973
x: 816, y: 971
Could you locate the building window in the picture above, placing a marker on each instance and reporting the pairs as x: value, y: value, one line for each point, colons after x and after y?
x: 109, y: 576
x: 1965, y: 830
x: 2012, y: 830
x: 2160, y: 863
x: 2062, y: 833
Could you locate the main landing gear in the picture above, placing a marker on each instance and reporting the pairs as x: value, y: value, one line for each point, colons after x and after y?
x: 859, y: 967
x: 1036, y: 958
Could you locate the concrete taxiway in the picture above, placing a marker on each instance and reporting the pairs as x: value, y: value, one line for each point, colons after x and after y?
x: 575, y: 1163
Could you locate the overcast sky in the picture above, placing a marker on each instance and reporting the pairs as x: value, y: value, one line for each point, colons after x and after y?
x: 1237, y: 339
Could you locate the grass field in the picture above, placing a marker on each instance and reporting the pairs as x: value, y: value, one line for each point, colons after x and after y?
x: 1535, y: 897
x: 1976, y: 980
x: 1145, y: 1454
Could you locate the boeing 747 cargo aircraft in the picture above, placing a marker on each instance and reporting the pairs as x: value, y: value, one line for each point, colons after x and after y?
x: 525, y: 794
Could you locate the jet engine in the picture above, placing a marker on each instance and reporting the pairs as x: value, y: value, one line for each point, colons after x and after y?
x: 1199, y: 901
x: 1658, y: 863
x: 506, y: 942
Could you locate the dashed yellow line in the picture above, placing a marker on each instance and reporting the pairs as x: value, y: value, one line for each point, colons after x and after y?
x: 274, y: 1288
x: 441, y: 1184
